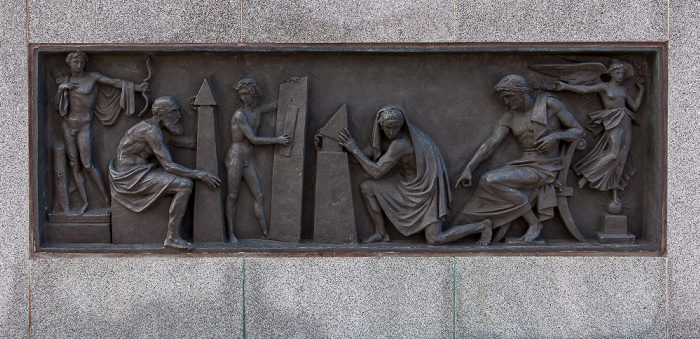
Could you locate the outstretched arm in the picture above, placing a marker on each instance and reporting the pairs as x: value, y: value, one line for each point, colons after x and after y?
x: 580, y: 89
x: 239, y: 121
x: 484, y: 151
x: 116, y: 83
x: 397, y: 149
x: 157, y: 143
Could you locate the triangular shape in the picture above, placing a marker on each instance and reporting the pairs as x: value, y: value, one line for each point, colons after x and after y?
x: 205, y: 96
x: 338, y: 122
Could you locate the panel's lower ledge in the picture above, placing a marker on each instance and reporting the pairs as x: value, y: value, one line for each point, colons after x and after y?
x: 265, y: 248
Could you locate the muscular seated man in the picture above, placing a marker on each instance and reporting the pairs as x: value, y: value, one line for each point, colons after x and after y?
x: 507, y: 193
x: 137, y: 182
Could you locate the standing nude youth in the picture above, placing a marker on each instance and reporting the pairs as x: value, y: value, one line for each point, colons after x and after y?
x: 240, y: 167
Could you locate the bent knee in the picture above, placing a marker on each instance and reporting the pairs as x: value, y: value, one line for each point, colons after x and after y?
x: 491, y: 178
x: 258, y: 196
x: 366, y: 188
x: 181, y: 184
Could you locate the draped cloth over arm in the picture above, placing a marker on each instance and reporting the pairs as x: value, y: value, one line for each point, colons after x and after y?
x: 111, y: 101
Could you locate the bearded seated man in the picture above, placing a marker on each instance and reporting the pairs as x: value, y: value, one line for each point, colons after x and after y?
x: 138, y: 182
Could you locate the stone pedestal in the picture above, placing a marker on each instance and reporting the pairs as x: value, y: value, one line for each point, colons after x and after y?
x: 91, y: 227
x: 614, y: 230
x: 146, y: 227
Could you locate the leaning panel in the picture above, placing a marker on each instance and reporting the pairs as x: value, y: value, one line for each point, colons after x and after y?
x: 440, y: 149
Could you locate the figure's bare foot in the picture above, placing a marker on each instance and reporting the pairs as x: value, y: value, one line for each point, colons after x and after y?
x: 532, y: 233
x: 264, y: 229
x: 385, y: 238
x: 106, y: 198
x: 84, y: 208
x: 179, y: 243
x: 485, y: 238
x: 235, y: 241
x: 582, y: 182
x: 375, y: 238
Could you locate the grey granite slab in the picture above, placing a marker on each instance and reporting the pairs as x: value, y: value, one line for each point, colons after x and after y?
x: 684, y: 172
x: 14, y: 181
x: 267, y: 21
x: 352, y: 297
x: 134, y: 21
x: 560, y: 297
x: 561, y: 20
x: 137, y: 297
x: 349, y: 298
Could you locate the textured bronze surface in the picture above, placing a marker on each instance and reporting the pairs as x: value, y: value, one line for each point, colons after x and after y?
x: 276, y: 197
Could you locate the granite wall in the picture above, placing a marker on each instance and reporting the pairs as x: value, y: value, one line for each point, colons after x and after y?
x: 402, y: 297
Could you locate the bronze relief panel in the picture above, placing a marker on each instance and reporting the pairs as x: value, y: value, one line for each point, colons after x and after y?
x: 348, y: 149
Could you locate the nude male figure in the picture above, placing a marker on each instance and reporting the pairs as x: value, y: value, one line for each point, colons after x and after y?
x: 240, y: 167
x: 77, y: 99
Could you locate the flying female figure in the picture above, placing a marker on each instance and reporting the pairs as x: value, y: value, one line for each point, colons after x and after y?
x: 607, y: 166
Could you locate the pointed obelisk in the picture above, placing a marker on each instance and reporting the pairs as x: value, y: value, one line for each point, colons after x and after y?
x: 334, y: 217
x: 209, y: 225
x: 288, y: 165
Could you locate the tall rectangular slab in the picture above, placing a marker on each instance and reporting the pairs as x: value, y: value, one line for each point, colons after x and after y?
x: 288, y: 166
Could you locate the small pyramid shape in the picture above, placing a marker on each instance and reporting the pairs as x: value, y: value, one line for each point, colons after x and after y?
x: 338, y: 122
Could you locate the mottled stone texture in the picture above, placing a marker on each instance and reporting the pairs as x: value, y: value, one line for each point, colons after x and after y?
x: 180, y: 296
x: 347, y: 21
x: 560, y: 20
x: 134, y: 21
x: 683, y: 171
x: 14, y: 173
x: 559, y: 297
x: 141, y: 297
x: 349, y: 298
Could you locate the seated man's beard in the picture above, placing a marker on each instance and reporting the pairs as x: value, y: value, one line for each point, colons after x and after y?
x: 174, y: 127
